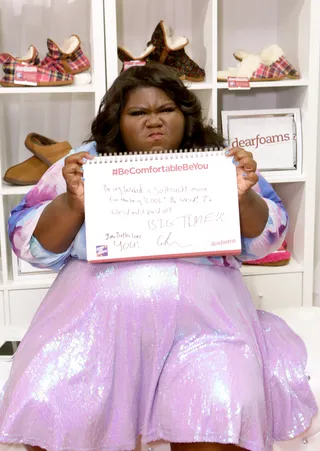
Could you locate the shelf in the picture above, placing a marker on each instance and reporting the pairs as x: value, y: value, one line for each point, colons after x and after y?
x: 43, y: 282
x: 71, y: 89
x: 271, y: 84
x: 8, y: 190
x: 198, y: 86
x: 292, y: 267
x: 284, y: 179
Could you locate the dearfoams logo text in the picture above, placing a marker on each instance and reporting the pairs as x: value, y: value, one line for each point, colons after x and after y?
x: 259, y: 140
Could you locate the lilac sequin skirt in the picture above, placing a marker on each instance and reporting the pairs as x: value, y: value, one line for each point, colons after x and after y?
x: 166, y: 350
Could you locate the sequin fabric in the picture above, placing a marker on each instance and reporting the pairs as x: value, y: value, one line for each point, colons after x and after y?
x: 166, y: 349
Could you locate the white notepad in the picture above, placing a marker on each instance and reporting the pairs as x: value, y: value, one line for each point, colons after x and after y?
x: 166, y: 205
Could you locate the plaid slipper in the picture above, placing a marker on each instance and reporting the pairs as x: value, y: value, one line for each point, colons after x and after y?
x: 15, y: 69
x: 274, y: 58
x: 253, y: 69
x: 68, y: 58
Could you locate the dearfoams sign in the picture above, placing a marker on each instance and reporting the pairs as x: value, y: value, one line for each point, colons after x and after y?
x: 259, y: 140
x: 273, y: 138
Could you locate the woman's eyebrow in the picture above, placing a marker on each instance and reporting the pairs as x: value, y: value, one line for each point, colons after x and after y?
x: 169, y: 103
x: 137, y: 107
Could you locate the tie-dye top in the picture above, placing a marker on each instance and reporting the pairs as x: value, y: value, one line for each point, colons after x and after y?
x: 24, y: 218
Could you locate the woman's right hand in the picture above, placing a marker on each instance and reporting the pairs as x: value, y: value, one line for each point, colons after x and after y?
x: 73, y: 174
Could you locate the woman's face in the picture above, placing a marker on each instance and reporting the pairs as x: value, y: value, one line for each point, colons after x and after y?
x: 150, y: 121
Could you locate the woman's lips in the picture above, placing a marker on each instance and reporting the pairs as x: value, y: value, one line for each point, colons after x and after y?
x: 155, y: 136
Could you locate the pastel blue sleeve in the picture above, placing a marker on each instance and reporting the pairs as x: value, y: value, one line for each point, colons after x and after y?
x: 275, y: 230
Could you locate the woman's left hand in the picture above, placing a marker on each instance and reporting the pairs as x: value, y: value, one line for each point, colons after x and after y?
x: 246, y: 169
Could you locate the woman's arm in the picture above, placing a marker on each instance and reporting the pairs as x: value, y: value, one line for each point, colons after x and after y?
x: 25, y: 216
x: 263, y: 219
x: 58, y: 225
x: 274, y: 232
x: 254, y: 214
x: 43, y: 226
x: 62, y: 219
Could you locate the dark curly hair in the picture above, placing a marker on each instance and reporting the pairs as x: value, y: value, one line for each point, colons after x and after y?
x: 105, y: 129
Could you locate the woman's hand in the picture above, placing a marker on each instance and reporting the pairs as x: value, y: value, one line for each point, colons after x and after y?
x: 73, y: 174
x: 246, y: 169
x: 253, y: 209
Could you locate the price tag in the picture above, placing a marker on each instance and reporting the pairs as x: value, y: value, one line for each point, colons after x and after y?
x: 25, y: 75
x: 238, y: 83
x: 128, y: 64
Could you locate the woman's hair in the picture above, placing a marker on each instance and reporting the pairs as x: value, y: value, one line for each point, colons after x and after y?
x: 105, y: 129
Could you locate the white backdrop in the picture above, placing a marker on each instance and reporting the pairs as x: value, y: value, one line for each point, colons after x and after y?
x: 317, y: 227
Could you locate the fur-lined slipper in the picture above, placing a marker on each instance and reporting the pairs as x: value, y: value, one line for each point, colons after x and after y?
x: 170, y: 50
x: 272, y: 56
x: 44, y: 75
x: 126, y: 55
x: 252, y: 68
x: 46, y: 149
x: 147, y: 56
x: 67, y: 58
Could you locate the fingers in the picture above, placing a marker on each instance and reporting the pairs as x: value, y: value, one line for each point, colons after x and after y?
x: 248, y: 164
x: 243, y: 159
x: 251, y: 177
x: 73, y: 164
x: 78, y: 158
x: 72, y: 170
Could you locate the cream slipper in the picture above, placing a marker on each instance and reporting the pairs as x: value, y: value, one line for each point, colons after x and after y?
x: 125, y: 55
x: 253, y: 68
x: 272, y: 56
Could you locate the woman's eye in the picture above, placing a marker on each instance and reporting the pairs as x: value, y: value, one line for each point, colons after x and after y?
x: 137, y: 113
x: 169, y: 109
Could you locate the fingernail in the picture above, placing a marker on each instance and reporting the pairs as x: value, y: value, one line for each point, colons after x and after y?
x: 244, y: 174
x: 236, y: 163
x: 84, y: 160
x: 227, y: 152
x: 81, y: 169
x: 82, y: 178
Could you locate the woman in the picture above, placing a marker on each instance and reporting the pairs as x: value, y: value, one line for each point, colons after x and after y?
x: 170, y: 349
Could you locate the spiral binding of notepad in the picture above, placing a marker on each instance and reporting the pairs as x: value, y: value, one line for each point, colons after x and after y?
x: 205, y: 152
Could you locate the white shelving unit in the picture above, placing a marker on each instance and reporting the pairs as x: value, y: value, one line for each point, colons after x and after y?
x: 20, y: 295
x: 215, y: 28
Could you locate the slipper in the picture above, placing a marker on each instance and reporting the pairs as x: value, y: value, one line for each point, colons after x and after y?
x: 125, y: 55
x: 43, y: 76
x: 67, y: 58
x: 170, y: 50
x: 46, y: 149
x: 146, y: 57
x: 272, y: 56
x: 29, y: 172
x: 280, y: 257
x: 252, y: 68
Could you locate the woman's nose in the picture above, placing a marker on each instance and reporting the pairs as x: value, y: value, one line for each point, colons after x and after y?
x: 154, y: 120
